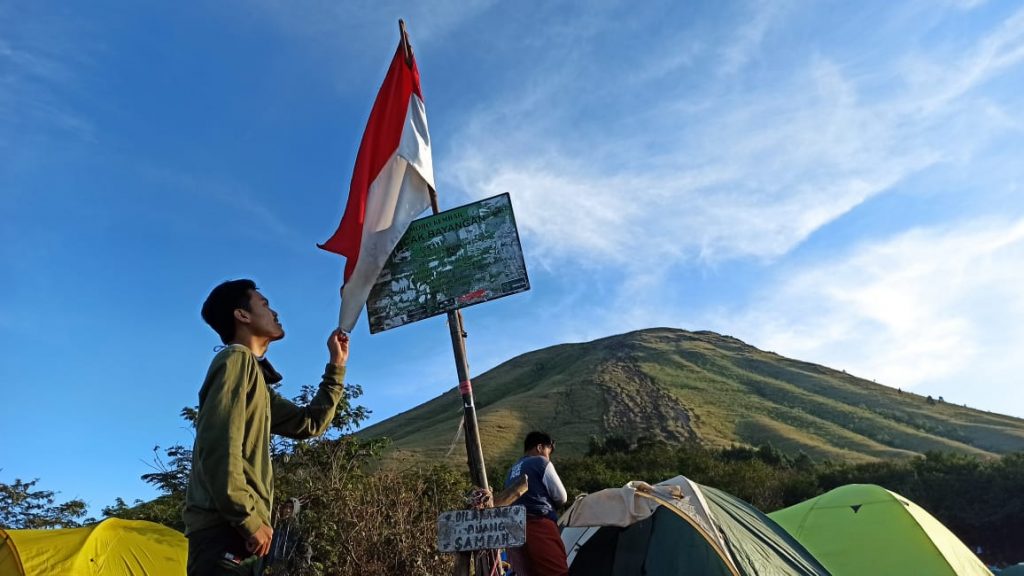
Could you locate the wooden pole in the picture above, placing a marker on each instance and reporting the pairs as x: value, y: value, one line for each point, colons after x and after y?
x: 474, y: 451
x: 477, y: 469
x: 406, y: 46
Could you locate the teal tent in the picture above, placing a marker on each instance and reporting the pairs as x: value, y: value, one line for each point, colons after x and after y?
x: 677, y: 527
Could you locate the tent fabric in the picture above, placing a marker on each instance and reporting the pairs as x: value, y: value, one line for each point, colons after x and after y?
x: 113, y: 547
x: 758, y: 544
x: 655, y: 545
x: 865, y: 529
x: 613, y: 507
x: 677, y: 527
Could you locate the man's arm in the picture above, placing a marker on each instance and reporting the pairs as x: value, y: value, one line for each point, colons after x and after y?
x: 298, y: 422
x: 554, y: 485
x: 220, y: 430
x: 511, y: 493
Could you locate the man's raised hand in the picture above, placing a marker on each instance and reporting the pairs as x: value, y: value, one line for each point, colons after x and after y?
x: 337, y: 346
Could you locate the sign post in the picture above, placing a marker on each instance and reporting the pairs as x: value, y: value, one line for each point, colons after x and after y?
x: 443, y: 263
x: 405, y: 295
x: 474, y: 450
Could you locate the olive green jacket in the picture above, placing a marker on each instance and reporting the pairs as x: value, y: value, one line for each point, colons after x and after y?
x: 232, y: 479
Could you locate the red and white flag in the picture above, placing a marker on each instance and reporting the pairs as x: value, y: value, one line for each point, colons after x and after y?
x: 391, y: 184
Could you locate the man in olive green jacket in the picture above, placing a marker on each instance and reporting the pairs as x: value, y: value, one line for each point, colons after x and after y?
x: 231, y: 488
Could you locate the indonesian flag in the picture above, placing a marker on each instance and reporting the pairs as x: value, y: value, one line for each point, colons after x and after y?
x: 391, y: 185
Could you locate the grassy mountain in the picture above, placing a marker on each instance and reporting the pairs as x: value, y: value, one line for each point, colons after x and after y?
x: 678, y: 386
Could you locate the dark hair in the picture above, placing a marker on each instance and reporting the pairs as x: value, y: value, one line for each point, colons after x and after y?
x: 537, y: 437
x: 219, y: 308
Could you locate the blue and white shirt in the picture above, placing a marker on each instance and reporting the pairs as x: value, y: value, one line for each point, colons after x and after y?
x: 544, y: 487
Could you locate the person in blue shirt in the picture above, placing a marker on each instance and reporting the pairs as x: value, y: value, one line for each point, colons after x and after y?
x: 543, y: 554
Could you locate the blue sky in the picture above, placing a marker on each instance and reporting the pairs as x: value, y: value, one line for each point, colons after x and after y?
x: 836, y: 182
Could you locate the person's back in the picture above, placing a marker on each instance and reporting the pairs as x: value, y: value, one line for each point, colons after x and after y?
x: 543, y: 554
x: 538, y: 499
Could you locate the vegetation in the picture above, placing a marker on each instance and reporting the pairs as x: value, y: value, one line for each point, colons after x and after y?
x: 979, y: 499
x: 22, y: 506
x: 365, y: 519
x: 356, y: 517
x: 647, y: 405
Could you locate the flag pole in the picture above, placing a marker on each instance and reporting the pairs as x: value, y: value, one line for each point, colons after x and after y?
x: 474, y: 451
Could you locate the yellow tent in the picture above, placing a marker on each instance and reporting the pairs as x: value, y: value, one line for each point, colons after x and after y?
x: 112, y: 547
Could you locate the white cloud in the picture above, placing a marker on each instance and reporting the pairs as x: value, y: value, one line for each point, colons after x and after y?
x: 334, y: 25
x: 229, y: 199
x: 935, y: 84
x: 43, y: 60
x: 936, y: 307
x: 966, y: 4
x: 721, y: 175
x: 749, y: 36
x: 755, y: 180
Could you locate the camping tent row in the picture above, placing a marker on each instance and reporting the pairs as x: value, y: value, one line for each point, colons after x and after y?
x: 672, y: 528
x: 113, y: 547
x: 681, y: 527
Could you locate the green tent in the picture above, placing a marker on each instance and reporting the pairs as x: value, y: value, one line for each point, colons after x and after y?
x: 865, y: 529
x: 112, y: 547
x: 677, y: 527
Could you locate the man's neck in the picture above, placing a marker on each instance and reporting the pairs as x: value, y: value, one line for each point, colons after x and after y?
x: 257, y: 344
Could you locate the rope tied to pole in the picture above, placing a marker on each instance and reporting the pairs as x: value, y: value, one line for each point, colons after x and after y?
x: 479, y: 498
x: 455, y: 439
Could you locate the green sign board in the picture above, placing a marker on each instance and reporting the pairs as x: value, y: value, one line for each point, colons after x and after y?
x: 454, y: 259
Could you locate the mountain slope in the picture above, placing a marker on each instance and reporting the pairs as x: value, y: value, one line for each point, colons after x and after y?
x: 678, y: 386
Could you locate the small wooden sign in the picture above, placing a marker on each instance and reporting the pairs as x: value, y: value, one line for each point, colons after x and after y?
x: 465, y: 530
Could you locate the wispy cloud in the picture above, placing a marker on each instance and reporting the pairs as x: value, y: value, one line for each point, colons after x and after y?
x: 750, y: 35
x: 716, y: 175
x: 938, y: 84
x: 331, y: 26
x: 966, y: 4
x: 180, y: 195
x: 42, y: 59
x: 933, y: 306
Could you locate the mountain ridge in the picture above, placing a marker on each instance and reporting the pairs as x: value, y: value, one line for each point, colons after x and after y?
x: 681, y: 386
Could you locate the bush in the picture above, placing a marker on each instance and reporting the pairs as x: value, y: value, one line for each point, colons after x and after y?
x: 382, y: 522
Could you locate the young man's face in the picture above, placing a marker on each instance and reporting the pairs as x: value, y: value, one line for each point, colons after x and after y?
x: 262, y: 319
